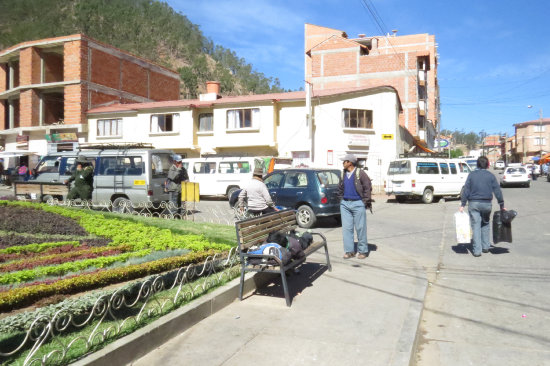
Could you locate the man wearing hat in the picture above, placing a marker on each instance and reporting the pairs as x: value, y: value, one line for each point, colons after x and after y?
x: 258, y: 199
x: 83, y: 178
x: 176, y: 174
x: 354, y: 192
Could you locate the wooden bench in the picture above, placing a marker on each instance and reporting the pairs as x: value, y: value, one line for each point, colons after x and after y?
x: 254, y: 231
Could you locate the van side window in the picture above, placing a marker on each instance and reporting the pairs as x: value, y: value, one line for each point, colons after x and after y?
x: 400, y: 167
x: 204, y: 168
x: 50, y: 164
x: 453, y: 168
x: 444, y: 168
x: 427, y: 168
x: 230, y: 167
x: 131, y: 165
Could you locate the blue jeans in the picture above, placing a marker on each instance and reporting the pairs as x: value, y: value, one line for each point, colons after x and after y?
x: 354, y: 215
x: 480, y: 217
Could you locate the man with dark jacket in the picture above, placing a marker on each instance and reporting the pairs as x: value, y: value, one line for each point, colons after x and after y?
x: 354, y: 192
x: 176, y: 174
x: 83, y: 178
x: 478, y: 191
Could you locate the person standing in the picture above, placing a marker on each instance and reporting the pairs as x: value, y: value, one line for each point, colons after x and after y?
x: 176, y: 174
x: 83, y: 178
x: 354, y: 192
x: 479, y: 189
x: 256, y: 194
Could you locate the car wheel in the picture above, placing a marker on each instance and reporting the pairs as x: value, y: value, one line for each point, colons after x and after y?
x: 122, y: 205
x: 231, y: 190
x: 428, y: 196
x: 400, y: 199
x: 528, y: 184
x: 305, y: 217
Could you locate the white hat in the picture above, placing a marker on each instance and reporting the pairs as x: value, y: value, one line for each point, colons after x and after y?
x: 177, y: 158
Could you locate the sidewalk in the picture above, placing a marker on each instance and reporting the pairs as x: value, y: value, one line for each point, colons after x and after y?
x: 363, y: 312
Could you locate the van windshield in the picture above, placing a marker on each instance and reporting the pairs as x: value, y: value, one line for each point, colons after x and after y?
x: 400, y: 167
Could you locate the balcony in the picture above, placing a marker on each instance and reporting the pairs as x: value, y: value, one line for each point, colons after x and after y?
x: 422, y: 77
x: 422, y: 107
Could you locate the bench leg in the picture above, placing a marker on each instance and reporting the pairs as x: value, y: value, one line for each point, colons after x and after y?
x: 241, y: 286
x: 285, y: 287
x: 328, y: 260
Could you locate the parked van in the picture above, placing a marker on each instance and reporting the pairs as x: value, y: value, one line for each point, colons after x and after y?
x: 218, y: 176
x: 125, y: 176
x: 427, y: 178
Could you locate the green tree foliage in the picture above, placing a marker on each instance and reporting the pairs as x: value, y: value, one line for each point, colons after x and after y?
x: 148, y: 28
x: 470, y: 139
x: 456, y: 153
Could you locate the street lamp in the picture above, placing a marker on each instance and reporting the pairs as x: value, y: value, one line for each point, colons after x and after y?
x: 540, y: 130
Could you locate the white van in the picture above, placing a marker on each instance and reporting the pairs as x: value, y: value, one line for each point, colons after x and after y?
x: 428, y: 178
x: 124, y: 176
x: 218, y: 176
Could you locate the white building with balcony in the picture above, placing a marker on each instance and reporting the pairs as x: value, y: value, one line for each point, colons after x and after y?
x: 314, y: 130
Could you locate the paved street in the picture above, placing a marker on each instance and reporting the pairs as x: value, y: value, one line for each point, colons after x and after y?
x: 491, y: 310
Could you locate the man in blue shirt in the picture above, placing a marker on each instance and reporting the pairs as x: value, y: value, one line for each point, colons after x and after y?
x: 354, y: 192
x: 478, y: 191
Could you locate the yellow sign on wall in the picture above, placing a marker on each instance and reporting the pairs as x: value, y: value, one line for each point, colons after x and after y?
x: 387, y: 136
x: 190, y: 192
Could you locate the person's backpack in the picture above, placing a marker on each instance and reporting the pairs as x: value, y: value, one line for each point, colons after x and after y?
x: 269, y: 249
x: 22, y: 170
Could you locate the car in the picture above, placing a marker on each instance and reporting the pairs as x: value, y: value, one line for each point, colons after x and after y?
x: 529, y: 168
x: 515, y: 176
x: 312, y: 192
x: 500, y: 164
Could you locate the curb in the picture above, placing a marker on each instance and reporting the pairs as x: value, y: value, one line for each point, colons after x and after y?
x: 136, y: 345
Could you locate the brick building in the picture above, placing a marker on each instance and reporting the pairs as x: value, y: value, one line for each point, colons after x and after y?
x: 407, y: 63
x: 531, y: 140
x: 47, y: 85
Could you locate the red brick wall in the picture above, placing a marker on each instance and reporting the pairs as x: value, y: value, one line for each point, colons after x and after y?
x: 3, y: 79
x: 162, y: 87
x: 343, y: 63
x: 134, y: 78
x: 381, y: 63
x: 75, y: 104
x: 105, y: 69
x: 29, y: 108
x: 53, y: 67
x: 3, y: 109
x: 75, y: 61
x: 29, y: 66
x: 98, y: 99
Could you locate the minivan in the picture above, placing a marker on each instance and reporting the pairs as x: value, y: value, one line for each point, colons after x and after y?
x: 425, y: 178
x: 221, y: 176
x: 124, y: 176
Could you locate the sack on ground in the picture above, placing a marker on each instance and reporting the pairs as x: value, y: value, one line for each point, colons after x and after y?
x: 272, y: 249
x: 463, y: 229
x: 502, y: 231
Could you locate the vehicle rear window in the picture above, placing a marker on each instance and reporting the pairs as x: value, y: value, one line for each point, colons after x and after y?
x: 328, y: 178
x: 427, y: 168
x: 160, y: 164
x: 400, y: 167
x: 516, y: 170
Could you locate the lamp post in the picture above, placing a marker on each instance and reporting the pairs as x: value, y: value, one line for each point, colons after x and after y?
x: 540, y: 131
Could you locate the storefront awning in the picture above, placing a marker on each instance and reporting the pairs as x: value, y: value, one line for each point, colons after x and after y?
x: 11, y: 154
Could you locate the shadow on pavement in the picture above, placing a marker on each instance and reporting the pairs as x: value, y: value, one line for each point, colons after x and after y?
x: 297, y: 282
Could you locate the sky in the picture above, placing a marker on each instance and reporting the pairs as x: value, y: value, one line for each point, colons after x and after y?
x: 494, y: 55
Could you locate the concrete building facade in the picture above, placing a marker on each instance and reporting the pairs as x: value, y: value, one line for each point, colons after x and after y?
x: 48, y: 85
x: 267, y: 125
x: 531, y: 140
x: 407, y: 63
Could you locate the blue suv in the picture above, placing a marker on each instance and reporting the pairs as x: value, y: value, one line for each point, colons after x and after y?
x: 312, y: 193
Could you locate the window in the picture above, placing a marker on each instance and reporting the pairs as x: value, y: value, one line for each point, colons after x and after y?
x: 540, y: 128
x: 233, y: 167
x: 50, y: 164
x: 160, y: 164
x: 243, y: 118
x: 444, y: 168
x: 206, y: 122
x: 356, y: 118
x: 163, y: 122
x: 540, y: 141
x: 128, y: 165
x: 204, y: 168
x: 295, y: 180
x: 328, y: 178
x: 274, y: 180
x: 400, y: 167
x: 453, y: 168
x: 109, y: 127
x: 427, y: 168
x: 464, y: 168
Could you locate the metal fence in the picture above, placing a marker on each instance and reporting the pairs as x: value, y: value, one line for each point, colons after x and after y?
x: 49, y: 340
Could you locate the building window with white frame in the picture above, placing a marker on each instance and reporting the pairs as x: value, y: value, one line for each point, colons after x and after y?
x: 540, y: 141
x: 243, y: 118
x: 539, y: 128
x: 357, y: 118
x: 109, y: 127
x: 206, y: 122
x: 163, y: 122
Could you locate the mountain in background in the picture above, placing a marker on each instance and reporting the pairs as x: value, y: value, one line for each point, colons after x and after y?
x: 148, y: 28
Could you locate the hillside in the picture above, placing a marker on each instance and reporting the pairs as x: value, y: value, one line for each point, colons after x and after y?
x: 148, y: 28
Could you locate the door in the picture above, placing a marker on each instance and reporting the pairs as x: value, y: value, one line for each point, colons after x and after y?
x: 446, y: 184
x: 273, y: 183
x: 293, y: 189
